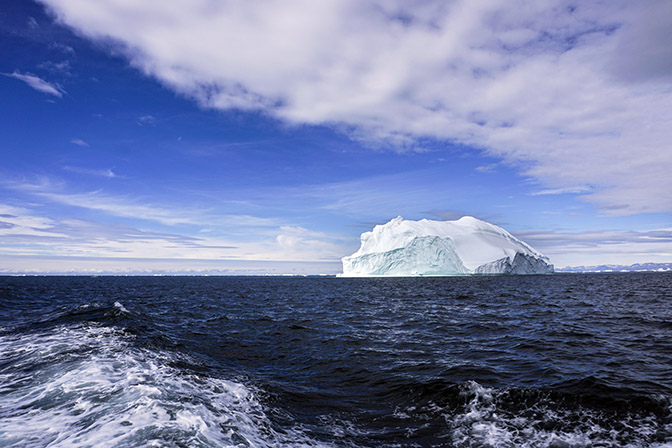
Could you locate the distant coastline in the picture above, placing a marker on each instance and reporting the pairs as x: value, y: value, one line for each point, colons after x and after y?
x: 637, y: 267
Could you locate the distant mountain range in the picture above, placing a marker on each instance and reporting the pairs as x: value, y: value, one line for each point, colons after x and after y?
x: 637, y: 267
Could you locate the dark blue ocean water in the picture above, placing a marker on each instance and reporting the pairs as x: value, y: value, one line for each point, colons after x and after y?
x: 575, y: 360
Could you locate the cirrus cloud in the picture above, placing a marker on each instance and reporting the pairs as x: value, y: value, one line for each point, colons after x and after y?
x: 37, y: 83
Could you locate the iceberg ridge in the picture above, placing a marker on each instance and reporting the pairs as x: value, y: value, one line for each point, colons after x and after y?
x: 467, y: 246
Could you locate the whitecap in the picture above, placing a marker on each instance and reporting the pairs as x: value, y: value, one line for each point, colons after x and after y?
x: 484, y: 423
x: 120, y: 307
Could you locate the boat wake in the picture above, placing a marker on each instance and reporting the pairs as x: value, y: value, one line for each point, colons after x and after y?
x: 91, y: 386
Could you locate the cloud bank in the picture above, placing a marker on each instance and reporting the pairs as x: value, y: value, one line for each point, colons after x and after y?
x: 602, y: 246
x: 578, y: 95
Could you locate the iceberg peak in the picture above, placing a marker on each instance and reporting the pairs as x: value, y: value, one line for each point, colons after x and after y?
x: 426, y: 247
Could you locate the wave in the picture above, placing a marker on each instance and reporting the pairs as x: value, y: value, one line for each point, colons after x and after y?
x: 89, y: 385
x: 578, y: 414
x: 90, y: 376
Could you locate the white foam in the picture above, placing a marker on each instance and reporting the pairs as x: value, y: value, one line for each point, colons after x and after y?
x: 120, y: 307
x: 483, y: 424
x: 93, y: 387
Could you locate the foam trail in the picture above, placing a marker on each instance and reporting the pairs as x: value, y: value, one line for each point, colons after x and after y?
x: 90, y: 386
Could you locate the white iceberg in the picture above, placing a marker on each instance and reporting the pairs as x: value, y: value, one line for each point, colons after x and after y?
x: 467, y: 246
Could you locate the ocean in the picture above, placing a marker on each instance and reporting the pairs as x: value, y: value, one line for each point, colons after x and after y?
x: 565, y: 360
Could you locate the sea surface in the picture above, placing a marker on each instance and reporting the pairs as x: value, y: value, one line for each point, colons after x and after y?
x: 565, y: 360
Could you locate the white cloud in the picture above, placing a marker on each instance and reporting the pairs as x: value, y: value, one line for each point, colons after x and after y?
x: 146, y: 120
x: 126, y: 206
x: 60, y: 68
x: 79, y: 142
x: 37, y: 83
x: 489, y: 168
x: 601, y: 246
x: 567, y: 190
x: 20, y: 217
x: 108, y: 173
x: 579, y: 94
x: 62, y: 48
x: 298, y: 243
x: 27, y: 232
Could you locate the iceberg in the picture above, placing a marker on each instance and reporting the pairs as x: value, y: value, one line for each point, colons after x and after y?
x: 467, y: 246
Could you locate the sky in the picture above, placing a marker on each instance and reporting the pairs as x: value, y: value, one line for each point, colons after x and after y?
x: 263, y: 137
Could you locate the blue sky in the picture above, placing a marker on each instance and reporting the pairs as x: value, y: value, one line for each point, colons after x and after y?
x: 264, y: 137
